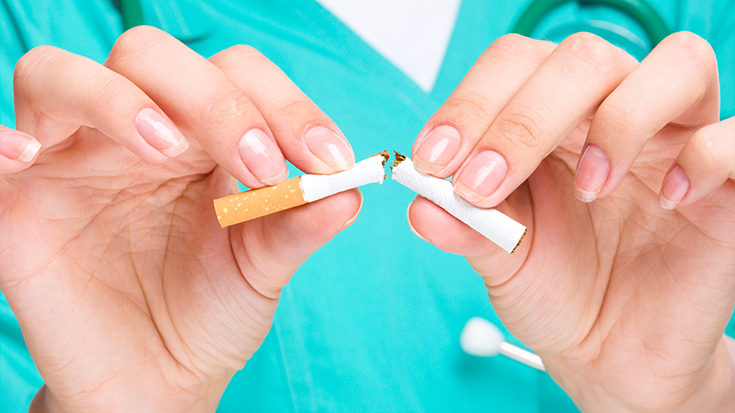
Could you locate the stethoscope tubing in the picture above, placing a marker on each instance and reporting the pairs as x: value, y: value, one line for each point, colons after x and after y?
x: 640, y: 10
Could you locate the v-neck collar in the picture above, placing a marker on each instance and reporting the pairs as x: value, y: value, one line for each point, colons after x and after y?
x: 412, y: 34
x: 356, y: 52
x: 474, y: 30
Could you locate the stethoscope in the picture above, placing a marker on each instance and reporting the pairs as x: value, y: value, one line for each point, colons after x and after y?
x: 640, y: 10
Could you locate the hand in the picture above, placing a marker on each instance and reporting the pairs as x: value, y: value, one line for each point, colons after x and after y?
x: 129, y: 294
x: 625, y: 298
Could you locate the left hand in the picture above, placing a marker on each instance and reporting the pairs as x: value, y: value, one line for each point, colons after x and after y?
x: 129, y: 294
x: 624, y: 298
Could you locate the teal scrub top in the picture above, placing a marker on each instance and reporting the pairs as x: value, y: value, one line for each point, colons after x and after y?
x: 371, y: 321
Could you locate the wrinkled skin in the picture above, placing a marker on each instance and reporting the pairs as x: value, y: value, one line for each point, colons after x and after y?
x: 131, y: 297
x: 129, y: 294
x: 625, y: 301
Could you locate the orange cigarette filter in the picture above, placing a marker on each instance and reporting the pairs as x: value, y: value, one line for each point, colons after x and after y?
x: 297, y: 191
x: 256, y: 203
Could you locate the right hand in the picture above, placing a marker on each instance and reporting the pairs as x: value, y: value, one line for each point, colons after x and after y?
x: 129, y: 294
x: 624, y: 300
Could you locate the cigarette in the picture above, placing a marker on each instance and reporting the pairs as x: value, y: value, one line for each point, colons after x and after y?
x: 493, y: 224
x: 297, y: 191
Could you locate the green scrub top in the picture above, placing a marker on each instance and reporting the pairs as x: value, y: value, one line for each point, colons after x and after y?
x: 371, y: 321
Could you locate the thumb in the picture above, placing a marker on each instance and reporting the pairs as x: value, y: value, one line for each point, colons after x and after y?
x: 449, y: 234
x: 269, y: 250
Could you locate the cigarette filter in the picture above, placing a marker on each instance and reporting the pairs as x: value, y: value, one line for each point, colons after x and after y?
x: 293, y: 192
x: 493, y: 224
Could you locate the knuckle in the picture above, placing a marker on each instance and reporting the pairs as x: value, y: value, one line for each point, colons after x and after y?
x: 595, y: 51
x: 135, y: 42
x: 694, y: 48
x: 224, y: 106
x: 509, y: 42
x: 585, y: 42
x: 523, y: 130
x: 34, y: 62
x: 109, y: 93
x: 138, y: 35
x: 618, y: 119
x: 470, y: 104
x: 705, y: 150
x: 515, y: 47
x: 689, y: 42
x: 294, y: 109
x: 237, y: 55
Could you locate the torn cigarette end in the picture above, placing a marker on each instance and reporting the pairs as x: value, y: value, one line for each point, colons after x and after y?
x: 520, y: 240
x: 385, y: 154
x: 399, y: 158
x: 297, y: 191
x: 491, y: 223
x: 256, y: 203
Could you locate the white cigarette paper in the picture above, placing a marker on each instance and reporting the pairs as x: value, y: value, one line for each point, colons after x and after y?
x: 255, y: 203
x: 370, y: 170
x: 493, y: 224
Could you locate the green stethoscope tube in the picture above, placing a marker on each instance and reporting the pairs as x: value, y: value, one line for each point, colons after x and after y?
x: 132, y: 13
x: 638, y: 9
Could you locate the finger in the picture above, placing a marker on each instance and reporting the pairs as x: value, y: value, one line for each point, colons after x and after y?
x: 705, y: 163
x: 17, y: 150
x: 560, y: 95
x: 454, y: 130
x: 434, y: 225
x: 203, y: 101
x: 447, y: 233
x: 269, y: 250
x: 676, y: 83
x: 56, y: 92
x: 305, y: 134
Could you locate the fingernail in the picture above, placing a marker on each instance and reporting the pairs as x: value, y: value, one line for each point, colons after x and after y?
x: 17, y: 146
x: 160, y: 133
x: 438, y: 148
x: 410, y: 225
x: 481, y: 176
x: 674, y: 188
x: 592, y: 172
x: 262, y: 157
x: 330, y: 148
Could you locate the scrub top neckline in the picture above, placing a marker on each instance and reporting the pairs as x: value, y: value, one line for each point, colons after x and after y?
x: 370, y: 60
x: 411, y: 34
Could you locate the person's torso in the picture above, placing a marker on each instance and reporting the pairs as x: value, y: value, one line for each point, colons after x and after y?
x: 371, y: 321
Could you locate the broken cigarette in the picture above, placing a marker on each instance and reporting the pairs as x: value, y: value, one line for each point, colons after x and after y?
x: 300, y: 190
x: 493, y: 224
